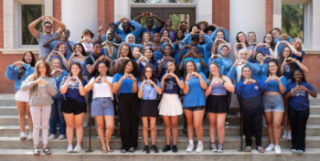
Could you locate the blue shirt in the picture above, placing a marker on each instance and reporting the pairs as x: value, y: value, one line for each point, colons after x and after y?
x: 157, y: 55
x: 273, y: 85
x: 53, y: 46
x: 171, y: 86
x: 152, y: 31
x: 73, y: 90
x: 218, y: 89
x: 135, y: 32
x: 126, y: 85
x: 149, y: 92
x: 300, y: 100
x: 195, y: 96
x: 61, y: 61
x: 214, y: 34
x: 255, y: 70
x: 196, y: 61
x: 12, y: 74
x: 143, y: 64
x: 58, y: 82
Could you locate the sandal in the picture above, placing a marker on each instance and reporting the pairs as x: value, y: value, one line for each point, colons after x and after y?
x: 36, y: 151
x: 248, y: 149
x: 104, y: 150
x: 123, y: 150
x: 131, y: 149
x: 109, y: 149
x: 260, y: 149
x: 47, y: 151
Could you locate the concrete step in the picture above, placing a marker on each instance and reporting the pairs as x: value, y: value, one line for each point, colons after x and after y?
x: 230, y: 142
x: 233, y: 154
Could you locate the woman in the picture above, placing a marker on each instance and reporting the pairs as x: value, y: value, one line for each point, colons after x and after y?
x: 168, y: 27
x: 194, y: 103
x: 149, y: 88
x: 42, y: 87
x: 146, y: 38
x: 297, y: 44
x: 158, y: 55
x: 79, y: 55
x: 170, y: 106
x: 252, y: 38
x: 273, y: 104
x: 168, y: 50
x: 74, y: 105
x: 131, y: 40
x: 56, y: 115
x: 18, y: 72
x: 87, y: 40
x: 124, y: 53
x: 125, y: 86
x: 102, y: 104
x: 61, y: 53
x: 217, y: 104
x: 177, y: 44
x: 250, y: 90
x: 136, y: 53
x: 299, y: 109
x: 242, y: 43
x: 146, y: 60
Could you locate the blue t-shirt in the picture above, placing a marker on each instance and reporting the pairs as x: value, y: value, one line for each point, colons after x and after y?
x: 73, y: 90
x: 58, y: 82
x: 53, y: 46
x: 157, y: 55
x: 300, y: 100
x: 126, y: 85
x: 152, y: 31
x: 195, y: 95
x: 61, y: 61
x: 171, y: 86
x: 12, y: 74
x: 196, y: 61
x: 273, y: 85
x: 143, y: 64
x: 149, y: 92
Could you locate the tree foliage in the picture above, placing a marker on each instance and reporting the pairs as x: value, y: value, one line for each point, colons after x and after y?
x: 292, y: 20
x: 30, y: 13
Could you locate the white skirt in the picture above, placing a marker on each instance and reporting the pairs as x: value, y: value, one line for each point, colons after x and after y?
x: 170, y: 105
x: 22, y: 96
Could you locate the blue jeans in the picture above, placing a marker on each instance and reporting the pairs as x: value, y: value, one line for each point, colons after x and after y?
x: 57, y: 116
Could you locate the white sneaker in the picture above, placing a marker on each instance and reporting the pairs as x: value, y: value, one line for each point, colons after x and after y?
x: 277, y: 149
x: 85, y: 124
x: 284, y: 134
x: 70, y: 149
x: 190, y: 148
x: 51, y: 137
x: 23, y: 136
x: 61, y: 137
x: 77, y: 149
x: 270, y: 147
x: 30, y: 136
x: 199, y: 148
x: 289, y: 135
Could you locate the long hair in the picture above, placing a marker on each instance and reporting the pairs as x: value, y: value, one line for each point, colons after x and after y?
x: 161, y: 34
x: 32, y: 63
x: 237, y: 38
x: 83, y: 52
x: 58, y: 46
x: 300, y: 47
x: 120, y: 50
x: 176, y: 71
x: 171, y: 54
x: 122, y: 67
x: 143, y: 74
x: 142, y: 40
x: 278, y: 73
x: 176, y: 34
x: 281, y: 59
x: 245, y: 66
x: 36, y: 73
x: 224, y: 36
x: 272, y: 45
x: 211, y: 75
x: 80, y: 73
x: 185, y: 73
x: 303, y: 75
x: 97, y: 68
x: 152, y: 61
x: 51, y: 63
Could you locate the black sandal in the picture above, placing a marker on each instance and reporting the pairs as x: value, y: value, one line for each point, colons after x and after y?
x: 131, y: 149
x: 47, y: 151
x: 123, y: 150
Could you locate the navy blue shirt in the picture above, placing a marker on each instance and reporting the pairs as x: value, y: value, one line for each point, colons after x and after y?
x: 300, y: 100
x: 171, y: 86
x: 73, y: 90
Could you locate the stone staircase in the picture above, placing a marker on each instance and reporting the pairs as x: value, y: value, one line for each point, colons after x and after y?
x: 11, y: 148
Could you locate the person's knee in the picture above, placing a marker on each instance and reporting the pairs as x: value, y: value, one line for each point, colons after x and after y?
x: 153, y: 127
x: 110, y: 127
x: 220, y: 127
x: 277, y: 125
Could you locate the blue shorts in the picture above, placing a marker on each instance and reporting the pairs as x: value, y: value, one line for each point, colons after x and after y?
x: 273, y: 103
x: 102, y: 107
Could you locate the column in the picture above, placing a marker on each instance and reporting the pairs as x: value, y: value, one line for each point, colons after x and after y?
x: 122, y: 9
x: 204, y: 11
x: 315, y: 25
x: 277, y: 14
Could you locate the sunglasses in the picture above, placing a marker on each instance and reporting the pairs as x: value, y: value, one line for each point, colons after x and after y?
x: 48, y: 26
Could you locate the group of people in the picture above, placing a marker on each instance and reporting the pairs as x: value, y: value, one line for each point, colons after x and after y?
x: 149, y: 72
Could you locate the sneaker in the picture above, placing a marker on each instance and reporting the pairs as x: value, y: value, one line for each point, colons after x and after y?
x: 226, y: 124
x: 77, y: 149
x: 199, y: 148
x: 284, y: 134
x: 300, y: 151
x: 277, y: 149
x: 51, y: 137
x: 30, y: 136
x: 146, y: 149
x: 220, y: 148
x: 61, y: 137
x: 36, y: 151
x: 154, y: 149
x: 23, y: 136
x: 213, y: 147
x: 166, y: 148
x: 174, y: 149
x: 190, y: 148
x: 289, y: 135
x: 270, y: 147
x: 293, y: 151
x: 69, y: 148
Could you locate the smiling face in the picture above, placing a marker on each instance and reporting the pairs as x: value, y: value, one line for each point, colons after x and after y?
x: 252, y: 37
x: 273, y: 68
x: 220, y: 35
x: 136, y: 52
x: 259, y: 57
x: 156, y: 37
x: 125, y: 51
x: 148, y: 73
x: 149, y: 22
x: 97, y: 48
x: 78, y: 48
x: 56, y: 64
x: 224, y: 51
x: 275, y: 33
x: 246, y: 72
x: 165, y: 33
x: 286, y: 52
x: 297, y: 76
x: 129, y: 67
x: 47, y: 28
x: 62, y: 48
x: 28, y: 57
x: 242, y: 38
x: 75, y: 70
x: 131, y: 39
x: 171, y: 67
x: 268, y: 38
x: 42, y: 69
x: 243, y: 55
x: 148, y: 54
x: 214, y: 69
x: 146, y: 37
x: 167, y: 51
x: 180, y: 34
x: 190, y: 67
x: 169, y: 22
x: 102, y: 68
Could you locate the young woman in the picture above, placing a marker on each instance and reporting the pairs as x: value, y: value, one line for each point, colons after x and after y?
x: 217, y: 104
x: 74, y: 105
x: 273, y: 104
x: 170, y: 106
x: 297, y: 44
x: 61, y: 53
x: 168, y: 27
x: 242, y: 43
x: 56, y: 115
x: 124, y: 53
x: 102, y: 104
x: 125, y: 86
x: 42, y: 87
x: 18, y: 72
x: 149, y: 88
x: 164, y: 61
x: 146, y: 60
x: 177, y: 44
x: 131, y: 40
x: 87, y: 40
x: 299, y: 109
x: 252, y: 38
x: 158, y: 55
x: 146, y: 37
x: 250, y: 90
x: 79, y: 55
x: 194, y: 103
x: 136, y: 53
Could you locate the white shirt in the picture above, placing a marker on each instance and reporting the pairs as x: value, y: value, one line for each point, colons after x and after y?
x: 101, y: 90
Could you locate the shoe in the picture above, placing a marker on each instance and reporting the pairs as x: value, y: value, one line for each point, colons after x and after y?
x: 226, y: 124
x: 30, y: 136
x: 77, y: 149
x: 85, y: 124
x: 61, y: 137
x: 260, y: 149
x: 51, y: 137
x: 70, y: 149
x: 220, y: 148
x: 289, y: 135
x: 140, y: 137
x: 247, y: 149
x: 213, y: 147
x: 293, y: 151
x: 270, y: 147
x: 277, y: 149
x: 300, y: 151
x: 23, y: 136
x: 36, y: 151
x: 166, y: 148
x: 146, y: 149
x: 131, y: 149
x: 47, y: 151
x: 154, y: 149
x: 284, y: 134
x: 190, y: 148
x: 174, y: 149
x: 199, y: 148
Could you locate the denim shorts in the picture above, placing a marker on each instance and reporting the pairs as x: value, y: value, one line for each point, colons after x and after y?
x: 102, y: 107
x: 273, y: 103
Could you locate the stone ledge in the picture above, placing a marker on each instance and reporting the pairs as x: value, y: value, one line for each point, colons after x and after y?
x: 18, y: 51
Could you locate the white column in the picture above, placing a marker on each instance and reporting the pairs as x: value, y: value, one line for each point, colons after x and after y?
x: 246, y: 16
x: 204, y: 11
x: 48, y: 7
x: 79, y: 15
x: 315, y: 25
x: 277, y: 13
x: 122, y: 9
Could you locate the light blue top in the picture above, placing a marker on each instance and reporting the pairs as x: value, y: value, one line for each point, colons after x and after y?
x: 273, y: 85
x: 214, y: 34
x: 135, y: 32
x: 195, y: 95
x: 218, y: 89
x: 58, y: 81
x: 196, y: 61
x: 12, y: 74
x: 126, y: 85
x: 42, y: 39
x: 149, y: 92
x: 255, y: 69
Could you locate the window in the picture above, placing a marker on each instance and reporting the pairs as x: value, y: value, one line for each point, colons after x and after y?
x: 292, y: 20
x: 163, y: 1
x: 177, y: 18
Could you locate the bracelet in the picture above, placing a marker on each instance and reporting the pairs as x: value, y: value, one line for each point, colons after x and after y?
x: 292, y: 92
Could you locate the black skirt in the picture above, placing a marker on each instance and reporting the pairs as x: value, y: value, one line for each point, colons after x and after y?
x: 217, y: 104
x: 148, y: 108
x: 70, y: 105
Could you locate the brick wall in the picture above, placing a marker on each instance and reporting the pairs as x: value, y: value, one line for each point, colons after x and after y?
x: 269, y: 15
x: 1, y: 24
x: 221, y: 13
x: 313, y: 76
x: 105, y: 12
x: 56, y: 12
